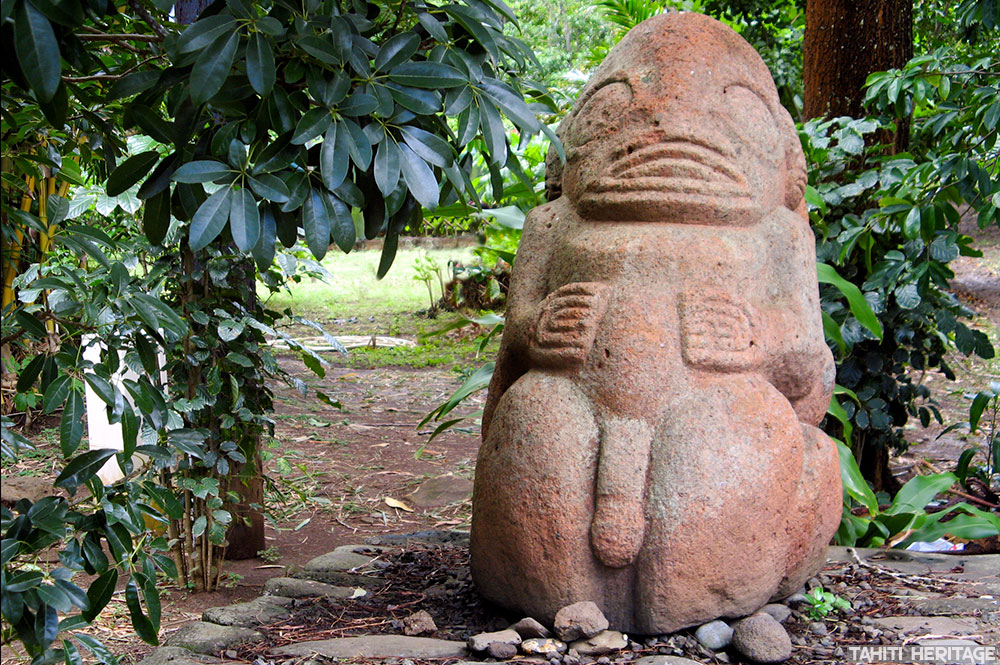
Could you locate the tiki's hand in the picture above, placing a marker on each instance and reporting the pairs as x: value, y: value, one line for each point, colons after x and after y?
x: 717, y: 332
x: 567, y: 324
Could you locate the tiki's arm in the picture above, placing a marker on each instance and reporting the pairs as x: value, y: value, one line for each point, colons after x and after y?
x: 528, y: 288
x: 799, y: 363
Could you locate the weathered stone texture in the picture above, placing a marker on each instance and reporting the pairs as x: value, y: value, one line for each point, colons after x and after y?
x: 649, y: 435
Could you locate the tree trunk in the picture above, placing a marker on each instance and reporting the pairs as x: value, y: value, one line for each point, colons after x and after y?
x: 246, y: 534
x: 846, y: 41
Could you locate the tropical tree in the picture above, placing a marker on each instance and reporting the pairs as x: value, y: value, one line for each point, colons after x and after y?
x: 266, y: 123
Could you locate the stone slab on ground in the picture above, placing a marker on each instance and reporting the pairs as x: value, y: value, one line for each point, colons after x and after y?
x: 957, y: 565
x: 292, y: 587
x: 209, y: 638
x: 440, y: 491
x: 262, y: 610
x: 177, y: 656
x: 375, y: 646
x: 345, y: 565
x: 917, y: 625
x: 422, y: 538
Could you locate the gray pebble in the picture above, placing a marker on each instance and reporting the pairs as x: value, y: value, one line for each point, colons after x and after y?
x: 818, y: 628
x: 715, y: 635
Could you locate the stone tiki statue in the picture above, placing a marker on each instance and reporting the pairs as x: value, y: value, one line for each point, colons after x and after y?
x: 649, y: 435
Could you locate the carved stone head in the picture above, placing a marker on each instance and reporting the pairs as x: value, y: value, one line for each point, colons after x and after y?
x: 681, y: 123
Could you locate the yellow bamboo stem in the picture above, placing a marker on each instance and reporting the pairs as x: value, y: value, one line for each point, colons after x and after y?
x: 13, y: 259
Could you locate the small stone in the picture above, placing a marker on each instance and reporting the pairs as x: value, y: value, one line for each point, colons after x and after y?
x: 667, y: 660
x: 482, y: 641
x: 231, y: 654
x: 796, y: 599
x: 827, y: 642
x: 537, y: 646
x: 818, y: 628
x: 176, y: 656
x: 778, y: 611
x: 501, y: 650
x: 603, y: 660
x: 714, y: 635
x: 555, y: 660
x: 419, y: 623
x: 604, y: 642
x: 762, y: 639
x: 262, y: 610
x: 528, y: 627
x: 579, y: 621
x: 209, y: 638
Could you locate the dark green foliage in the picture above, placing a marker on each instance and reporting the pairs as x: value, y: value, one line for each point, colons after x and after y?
x: 890, y: 225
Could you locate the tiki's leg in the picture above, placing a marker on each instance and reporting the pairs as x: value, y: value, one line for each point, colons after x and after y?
x: 534, y: 501
x: 814, y: 519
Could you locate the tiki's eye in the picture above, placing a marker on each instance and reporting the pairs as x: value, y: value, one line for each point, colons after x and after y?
x: 745, y: 108
x: 601, y: 114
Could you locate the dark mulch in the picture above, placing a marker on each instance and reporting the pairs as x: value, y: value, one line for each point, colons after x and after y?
x: 436, y: 579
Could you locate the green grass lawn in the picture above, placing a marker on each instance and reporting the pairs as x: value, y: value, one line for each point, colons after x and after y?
x: 353, y: 290
x: 353, y: 302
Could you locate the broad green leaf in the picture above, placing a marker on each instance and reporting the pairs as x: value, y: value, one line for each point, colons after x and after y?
x: 260, y: 64
x: 312, y: 123
x: 100, y: 593
x: 56, y: 393
x: 131, y: 171
x: 341, y: 224
x: 54, y: 597
x: 468, y: 124
x: 263, y: 251
x: 359, y: 103
x: 914, y: 496
x: 212, y: 67
x: 468, y: 19
x: 860, y: 308
x: 82, y: 468
x: 979, y: 403
x: 71, y: 423
x: 397, y: 49
x: 323, y: 50
x: 77, y: 596
x: 386, y: 166
x: 101, y: 387
x: 204, y: 32
x: 143, y: 626
x: 334, y: 157
x: 496, y: 136
x: 831, y: 330
x: 853, y: 482
x: 419, y: 178
x: 206, y: 170
x: 244, y: 220
x: 388, y: 254
x: 160, y: 178
x: 512, y: 104
x: 133, y: 84
x: 37, y: 50
x: 270, y: 187
x: 427, y: 74
x: 430, y: 147
x: 316, y: 224
x: 210, y: 219
x: 357, y: 144
x: 421, y: 102
x: 156, y: 217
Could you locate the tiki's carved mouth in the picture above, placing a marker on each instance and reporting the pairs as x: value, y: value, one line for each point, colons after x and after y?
x: 674, y: 165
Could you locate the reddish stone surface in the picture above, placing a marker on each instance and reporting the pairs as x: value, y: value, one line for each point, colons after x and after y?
x: 649, y: 439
